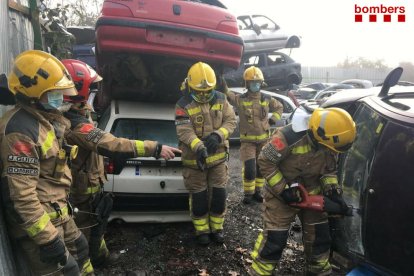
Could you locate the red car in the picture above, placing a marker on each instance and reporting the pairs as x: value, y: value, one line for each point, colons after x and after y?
x: 145, y: 47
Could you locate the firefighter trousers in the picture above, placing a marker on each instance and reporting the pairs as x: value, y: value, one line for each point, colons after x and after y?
x: 277, y: 217
x: 207, y: 197
x: 251, y: 176
x: 78, y: 262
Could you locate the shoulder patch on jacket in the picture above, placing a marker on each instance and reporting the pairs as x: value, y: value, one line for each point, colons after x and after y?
x: 24, y: 123
x: 86, y: 128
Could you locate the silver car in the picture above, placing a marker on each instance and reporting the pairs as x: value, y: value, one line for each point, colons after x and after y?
x: 262, y: 34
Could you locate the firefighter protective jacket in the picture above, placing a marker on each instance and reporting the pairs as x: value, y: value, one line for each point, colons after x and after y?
x: 291, y: 157
x: 88, y: 168
x: 195, y: 121
x: 35, y: 176
x: 253, y: 109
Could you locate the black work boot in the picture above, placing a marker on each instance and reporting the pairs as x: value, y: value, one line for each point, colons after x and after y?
x: 103, y: 261
x: 218, y: 237
x: 247, y: 199
x: 257, y: 196
x: 203, y: 239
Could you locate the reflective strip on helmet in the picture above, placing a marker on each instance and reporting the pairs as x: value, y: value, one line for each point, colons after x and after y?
x: 260, y: 182
x: 302, y: 149
x: 201, y: 225
x: 329, y: 180
x: 277, y: 178
x: 217, y: 106
x: 139, y: 145
x: 38, y: 226
x: 87, y: 268
x: 216, y: 223
x: 195, y: 110
x: 254, y: 137
x: 209, y: 160
x: 276, y: 115
x: 225, y: 132
x: 194, y: 143
x: 55, y: 215
x: 247, y: 103
x: 48, y: 143
x: 264, y: 103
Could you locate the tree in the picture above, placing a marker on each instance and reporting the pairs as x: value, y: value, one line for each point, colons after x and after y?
x: 362, y: 62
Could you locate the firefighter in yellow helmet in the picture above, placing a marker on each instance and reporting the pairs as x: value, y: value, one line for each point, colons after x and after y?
x: 35, y: 176
x: 88, y: 167
x: 204, y: 121
x: 253, y: 109
x: 303, y: 152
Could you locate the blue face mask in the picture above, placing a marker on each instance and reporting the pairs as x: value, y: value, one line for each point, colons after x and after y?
x: 255, y: 86
x: 54, y: 100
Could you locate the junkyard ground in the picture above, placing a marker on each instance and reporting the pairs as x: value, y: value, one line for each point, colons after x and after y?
x: 170, y: 249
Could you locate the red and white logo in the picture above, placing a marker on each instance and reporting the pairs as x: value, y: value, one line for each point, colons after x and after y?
x: 379, y: 13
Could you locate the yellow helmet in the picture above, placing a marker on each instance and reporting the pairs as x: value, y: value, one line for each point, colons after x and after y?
x: 201, y: 77
x: 36, y: 72
x: 333, y: 128
x: 253, y: 74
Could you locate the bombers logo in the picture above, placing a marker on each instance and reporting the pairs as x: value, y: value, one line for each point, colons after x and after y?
x: 380, y: 13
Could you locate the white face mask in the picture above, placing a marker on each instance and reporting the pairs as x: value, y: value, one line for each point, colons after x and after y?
x: 254, y: 86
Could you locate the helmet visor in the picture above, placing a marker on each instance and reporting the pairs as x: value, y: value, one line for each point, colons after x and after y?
x: 202, y: 96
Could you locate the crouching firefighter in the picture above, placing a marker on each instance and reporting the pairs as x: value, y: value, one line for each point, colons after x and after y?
x: 253, y: 107
x: 303, y: 152
x: 35, y: 177
x: 88, y: 167
x: 204, y: 120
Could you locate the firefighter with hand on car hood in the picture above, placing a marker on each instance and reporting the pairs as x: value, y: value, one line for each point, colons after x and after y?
x: 253, y: 109
x: 35, y: 176
x: 88, y: 167
x: 204, y: 120
x: 303, y: 152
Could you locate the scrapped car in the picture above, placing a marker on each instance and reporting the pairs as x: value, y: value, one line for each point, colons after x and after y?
x: 358, y: 83
x: 262, y: 34
x: 377, y: 179
x: 288, y: 108
x: 145, y: 189
x: 145, y: 48
x: 322, y: 95
x: 280, y: 71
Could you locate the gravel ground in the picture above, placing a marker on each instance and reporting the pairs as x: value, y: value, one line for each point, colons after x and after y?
x: 170, y: 249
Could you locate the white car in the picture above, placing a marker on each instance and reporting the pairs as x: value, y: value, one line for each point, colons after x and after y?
x: 145, y: 189
x: 262, y: 34
x: 288, y: 108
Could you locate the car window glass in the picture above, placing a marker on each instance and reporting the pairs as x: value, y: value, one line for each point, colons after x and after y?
x: 286, y: 107
x: 245, y: 23
x: 264, y: 22
x: 251, y: 61
x: 139, y: 129
x: 355, y: 168
x: 276, y: 59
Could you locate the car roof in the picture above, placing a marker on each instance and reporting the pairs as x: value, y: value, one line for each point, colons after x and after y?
x: 351, y: 95
x: 142, y: 110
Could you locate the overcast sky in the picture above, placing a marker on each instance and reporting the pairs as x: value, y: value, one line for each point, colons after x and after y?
x: 329, y: 31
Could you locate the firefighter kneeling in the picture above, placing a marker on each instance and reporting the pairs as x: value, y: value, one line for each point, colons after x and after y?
x: 303, y: 152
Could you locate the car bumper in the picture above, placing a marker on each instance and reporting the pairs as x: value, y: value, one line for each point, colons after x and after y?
x: 132, y: 35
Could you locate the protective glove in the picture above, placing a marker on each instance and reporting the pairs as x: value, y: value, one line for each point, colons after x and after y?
x: 201, y: 158
x: 212, y: 142
x: 291, y: 195
x: 104, y: 208
x: 334, y: 193
x: 53, y: 252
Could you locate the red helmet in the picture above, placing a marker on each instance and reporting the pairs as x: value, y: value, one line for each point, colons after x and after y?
x: 83, y: 76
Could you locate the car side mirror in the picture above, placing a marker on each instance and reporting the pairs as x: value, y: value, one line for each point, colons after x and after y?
x: 256, y: 28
